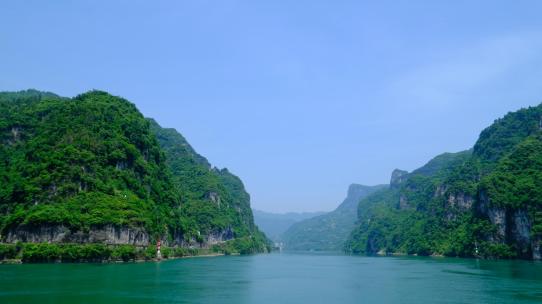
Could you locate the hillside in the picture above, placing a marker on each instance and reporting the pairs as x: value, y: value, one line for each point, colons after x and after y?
x: 482, y: 202
x: 275, y: 224
x: 329, y: 231
x: 214, y: 202
x: 90, y: 169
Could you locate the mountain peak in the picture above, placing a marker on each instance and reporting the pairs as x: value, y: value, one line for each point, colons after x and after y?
x: 397, y: 177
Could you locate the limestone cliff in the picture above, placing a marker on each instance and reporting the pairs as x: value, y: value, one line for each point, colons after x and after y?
x: 482, y: 202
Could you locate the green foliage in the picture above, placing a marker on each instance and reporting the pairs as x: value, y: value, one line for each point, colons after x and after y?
x: 504, y: 134
x: 424, y: 214
x: 244, y: 245
x: 41, y: 252
x: 165, y: 251
x: 78, y: 162
x: 8, y: 251
x: 497, y: 251
x: 124, y: 253
x: 66, y: 252
x: 443, y: 164
x: 212, y: 199
x: 150, y: 253
x: 94, y: 160
x: 517, y: 179
x: 94, y: 252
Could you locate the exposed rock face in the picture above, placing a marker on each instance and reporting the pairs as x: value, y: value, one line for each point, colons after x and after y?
x: 537, y: 248
x: 520, y: 231
x: 213, y: 238
x: 455, y: 203
x: 497, y: 216
x: 218, y: 237
x: 460, y: 200
x: 213, y: 197
x: 42, y: 234
x: 372, y: 244
x: 398, y: 177
x: 440, y: 191
x: 513, y: 226
x: 109, y: 234
x: 403, y: 202
x: 16, y: 134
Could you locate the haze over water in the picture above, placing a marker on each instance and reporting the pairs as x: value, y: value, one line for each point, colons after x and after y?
x: 277, y: 278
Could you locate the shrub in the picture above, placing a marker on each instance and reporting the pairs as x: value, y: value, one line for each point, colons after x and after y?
x: 124, y: 252
x: 8, y: 251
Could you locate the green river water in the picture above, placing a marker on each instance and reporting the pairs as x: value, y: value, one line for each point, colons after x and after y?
x: 277, y: 278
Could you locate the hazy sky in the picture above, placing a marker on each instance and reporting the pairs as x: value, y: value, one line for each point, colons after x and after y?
x: 298, y: 98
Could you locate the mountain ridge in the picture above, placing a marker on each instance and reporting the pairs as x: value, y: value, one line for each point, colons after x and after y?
x: 275, y: 224
x: 329, y: 231
x: 483, y: 202
x: 93, y: 169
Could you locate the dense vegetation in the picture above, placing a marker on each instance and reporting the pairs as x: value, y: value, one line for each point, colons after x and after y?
x: 96, y: 252
x: 90, y: 160
x: 211, y: 199
x: 483, y: 202
x: 327, y: 232
x: 94, y: 160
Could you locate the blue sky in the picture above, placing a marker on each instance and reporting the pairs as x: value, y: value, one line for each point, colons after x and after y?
x: 298, y: 98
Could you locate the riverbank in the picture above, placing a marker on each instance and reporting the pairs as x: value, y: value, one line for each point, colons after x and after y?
x: 382, y: 253
x: 96, y: 253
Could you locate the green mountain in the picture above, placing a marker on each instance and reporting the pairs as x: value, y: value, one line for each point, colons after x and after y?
x: 483, y: 202
x: 275, y: 224
x: 214, y: 202
x: 329, y: 231
x: 92, y: 169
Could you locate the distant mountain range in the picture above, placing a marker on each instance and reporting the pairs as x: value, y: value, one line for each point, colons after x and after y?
x: 328, y: 232
x: 275, y: 224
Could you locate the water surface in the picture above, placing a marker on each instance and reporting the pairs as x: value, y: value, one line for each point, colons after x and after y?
x: 277, y: 278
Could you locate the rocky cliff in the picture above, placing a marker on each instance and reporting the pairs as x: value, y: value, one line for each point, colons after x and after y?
x: 482, y: 202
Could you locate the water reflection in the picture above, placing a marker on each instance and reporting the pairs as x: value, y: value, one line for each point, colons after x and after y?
x: 277, y: 278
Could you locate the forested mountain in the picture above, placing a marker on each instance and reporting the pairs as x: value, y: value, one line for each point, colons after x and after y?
x: 92, y: 169
x: 214, y: 202
x: 275, y: 224
x: 483, y: 202
x: 329, y: 231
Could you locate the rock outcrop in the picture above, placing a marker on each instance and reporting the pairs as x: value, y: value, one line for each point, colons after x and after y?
x: 485, y: 201
x: 397, y: 178
x: 108, y: 234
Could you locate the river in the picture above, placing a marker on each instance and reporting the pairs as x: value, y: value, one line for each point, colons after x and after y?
x: 277, y: 278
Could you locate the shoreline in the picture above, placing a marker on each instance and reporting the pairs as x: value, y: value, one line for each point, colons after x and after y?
x: 37, y: 253
x: 207, y: 255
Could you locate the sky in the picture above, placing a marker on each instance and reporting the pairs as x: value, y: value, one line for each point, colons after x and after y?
x: 298, y: 98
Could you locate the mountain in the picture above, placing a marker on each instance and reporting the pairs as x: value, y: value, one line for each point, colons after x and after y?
x: 274, y: 224
x: 484, y: 202
x: 214, y: 202
x: 92, y: 169
x: 329, y: 231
